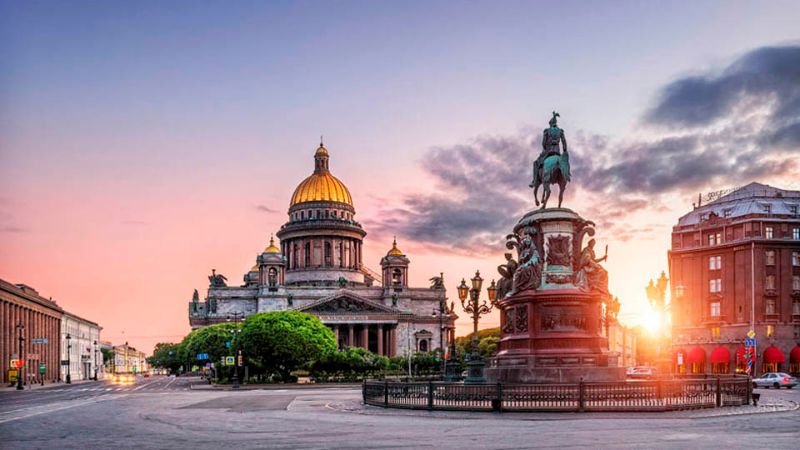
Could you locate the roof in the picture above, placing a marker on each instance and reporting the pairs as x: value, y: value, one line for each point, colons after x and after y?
x: 755, y: 198
x: 28, y: 293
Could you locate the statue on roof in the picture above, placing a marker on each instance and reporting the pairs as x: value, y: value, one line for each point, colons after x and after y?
x: 217, y: 279
x: 552, y: 165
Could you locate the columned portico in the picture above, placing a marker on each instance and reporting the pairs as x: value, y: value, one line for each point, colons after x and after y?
x: 378, y: 338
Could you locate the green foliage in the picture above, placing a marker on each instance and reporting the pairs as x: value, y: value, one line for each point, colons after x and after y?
x: 349, y: 364
x: 488, y: 339
x: 211, y: 340
x: 108, y: 356
x: 282, y: 341
x: 166, y: 356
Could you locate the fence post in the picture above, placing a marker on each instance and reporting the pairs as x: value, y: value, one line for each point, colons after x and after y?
x: 430, y: 395
x: 364, y: 391
x: 581, y: 392
x: 385, y: 393
x: 498, y: 403
x: 719, y: 392
x: 749, y: 390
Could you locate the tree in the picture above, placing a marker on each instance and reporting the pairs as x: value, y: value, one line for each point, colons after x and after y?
x: 282, y: 341
x: 488, y: 339
x: 166, y: 356
x: 212, y: 339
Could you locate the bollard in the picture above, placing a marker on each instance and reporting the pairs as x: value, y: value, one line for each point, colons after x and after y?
x: 719, y: 393
x: 385, y: 393
x: 581, y: 392
x: 430, y: 395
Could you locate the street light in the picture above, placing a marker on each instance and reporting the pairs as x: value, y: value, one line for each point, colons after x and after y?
x: 95, y: 360
x: 236, y: 317
x: 69, y: 362
x: 476, y: 309
x: 20, y: 327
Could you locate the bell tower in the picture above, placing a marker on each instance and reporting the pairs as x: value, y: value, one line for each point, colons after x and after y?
x: 395, y: 268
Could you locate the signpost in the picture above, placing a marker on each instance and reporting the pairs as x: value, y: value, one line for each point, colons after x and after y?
x: 39, y: 341
x: 229, y: 360
x: 202, y: 356
x: 42, y: 368
x: 750, y: 344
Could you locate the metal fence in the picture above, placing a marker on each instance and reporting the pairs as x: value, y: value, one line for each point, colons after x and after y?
x: 653, y: 395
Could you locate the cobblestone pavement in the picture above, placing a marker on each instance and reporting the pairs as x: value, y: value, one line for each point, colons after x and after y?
x: 165, y: 413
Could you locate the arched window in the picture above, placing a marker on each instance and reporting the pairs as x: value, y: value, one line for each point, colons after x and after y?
x: 307, y: 256
x: 397, y: 277
x: 423, y: 345
x: 328, y: 257
x: 294, y: 256
x: 341, y: 254
x: 302, y: 215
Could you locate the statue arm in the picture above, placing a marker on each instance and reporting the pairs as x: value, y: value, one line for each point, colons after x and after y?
x: 544, y: 140
x: 564, y: 141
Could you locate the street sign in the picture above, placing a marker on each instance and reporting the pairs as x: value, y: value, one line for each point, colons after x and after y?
x: 751, y: 334
x: 14, y: 363
x: 39, y: 341
x: 241, y: 360
x: 229, y: 360
x: 201, y: 356
x: 64, y: 362
x: 33, y: 356
x: 42, y: 368
x: 12, y: 376
x: 750, y: 342
x: 228, y: 344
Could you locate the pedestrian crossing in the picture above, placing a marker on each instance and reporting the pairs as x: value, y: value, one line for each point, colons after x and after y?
x: 131, y: 388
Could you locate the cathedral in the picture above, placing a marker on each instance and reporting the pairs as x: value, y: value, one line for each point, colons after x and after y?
x: 317, y: 268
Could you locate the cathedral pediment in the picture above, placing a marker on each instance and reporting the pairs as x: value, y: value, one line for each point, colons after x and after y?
x: 346, y: 303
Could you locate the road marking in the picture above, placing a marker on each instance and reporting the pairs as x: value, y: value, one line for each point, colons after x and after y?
x: 49, y: 408
x: 170, y: 382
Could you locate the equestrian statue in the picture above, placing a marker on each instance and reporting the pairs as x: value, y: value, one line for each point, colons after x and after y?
x: 552, y: 165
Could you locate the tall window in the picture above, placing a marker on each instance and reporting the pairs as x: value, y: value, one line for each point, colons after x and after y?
x: 715, y: 309
x: 307, y: 255
x: 796, y: 259
x: 770, y: 309
x: 294, y: 256
x: 768, y: 232
x: 714, y: 262
x: 715, y: 285
x: 796, y: 233
x: 796, y: 308
x: 715, y: 333
x: 793, y: 210
x: 796, y: 283
x: 769, y: 282
x: 714, y: 239
x: 770, y: 331
x: 328, y: 258
x: 770, y: 257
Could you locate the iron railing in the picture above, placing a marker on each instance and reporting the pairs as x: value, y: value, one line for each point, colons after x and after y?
x: 652, y: 395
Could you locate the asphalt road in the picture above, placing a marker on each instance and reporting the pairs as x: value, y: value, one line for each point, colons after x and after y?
x: 165, y: 413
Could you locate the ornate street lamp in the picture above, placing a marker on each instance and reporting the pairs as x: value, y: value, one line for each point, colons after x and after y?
x: 475, y: 308
x: 236, y: 317
x: 20, y: 327
x: 441, y: 312
x: 69, y: 362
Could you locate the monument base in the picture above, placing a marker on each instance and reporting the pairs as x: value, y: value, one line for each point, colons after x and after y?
x: 524, y: 370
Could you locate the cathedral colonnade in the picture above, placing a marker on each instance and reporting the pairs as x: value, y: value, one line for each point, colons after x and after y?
x: 379, y: 338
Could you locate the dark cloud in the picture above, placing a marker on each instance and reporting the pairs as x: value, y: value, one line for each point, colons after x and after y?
x: 13, y: 229
x: 727, y: 128
x: 265, y: 209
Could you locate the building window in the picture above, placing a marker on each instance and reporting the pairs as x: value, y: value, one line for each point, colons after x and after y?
x: 715, y: 333
x: 714, y: 262
x: 727, y: 212
x: 770, y: 257
x: 796, y: 259
x: 793, y: 210
x: 307, y: 255
x: 770, y: 331
x: 715, y: 285
x: 769, y: 282
x: 796, y: 233
x: 796, y: 283
x: 768, y: 232
x: 770, y: 309
x: 715, y: 309
x: 714, y: 239
x: 328, y: 260
x: 767, y: 208
x: 796, y: 308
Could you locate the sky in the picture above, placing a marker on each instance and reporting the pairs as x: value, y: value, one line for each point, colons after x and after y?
x: 143, y: 144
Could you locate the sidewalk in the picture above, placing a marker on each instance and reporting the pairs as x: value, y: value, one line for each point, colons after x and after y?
x: 47, y: 385
x: 203, y: 386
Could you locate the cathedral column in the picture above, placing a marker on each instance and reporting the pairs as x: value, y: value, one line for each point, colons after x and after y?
x: 380, y: 340
x: 350, y: 337
x: 365, y: 336
x: 336, y: 332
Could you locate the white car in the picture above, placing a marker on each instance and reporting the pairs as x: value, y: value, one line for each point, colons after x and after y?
x: 641, y: 372
x: 776, y: 380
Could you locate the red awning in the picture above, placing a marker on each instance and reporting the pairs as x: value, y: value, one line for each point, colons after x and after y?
x: 794, y: 356
x: 720, y: 355
x: 696, y: 355
x: 773, y: 355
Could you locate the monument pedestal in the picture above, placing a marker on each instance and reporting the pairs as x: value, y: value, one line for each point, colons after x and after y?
x: 552, y: 322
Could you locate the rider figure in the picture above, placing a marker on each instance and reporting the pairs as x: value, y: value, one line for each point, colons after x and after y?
x: 551, y: 138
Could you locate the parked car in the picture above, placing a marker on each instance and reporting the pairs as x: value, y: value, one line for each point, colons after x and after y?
x: 640, y: 372
x: 123, y: 378
x: 776, y: 380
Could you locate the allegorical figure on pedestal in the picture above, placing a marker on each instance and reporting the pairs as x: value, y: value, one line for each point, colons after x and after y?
x: 590, y: 274
x: 529, y: 273
x: 506, y: 271
x: 552, y: 166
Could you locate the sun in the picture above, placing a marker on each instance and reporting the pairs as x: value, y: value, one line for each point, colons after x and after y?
x: 651, y: 321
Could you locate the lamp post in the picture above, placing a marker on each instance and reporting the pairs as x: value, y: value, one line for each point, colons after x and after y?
x: 475, y: 308
x: 95, y: 360
x: 20, y: 327
x: 236, y: 317
x: 69, y: 362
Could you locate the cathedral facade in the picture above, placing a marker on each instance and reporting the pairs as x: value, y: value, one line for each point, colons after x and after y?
x: 317, y: 268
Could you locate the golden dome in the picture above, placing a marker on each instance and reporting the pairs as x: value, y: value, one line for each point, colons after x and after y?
x: 394, y: 251
x: 321, y: 186
x: 254, y: 268
x: 272, y: 248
